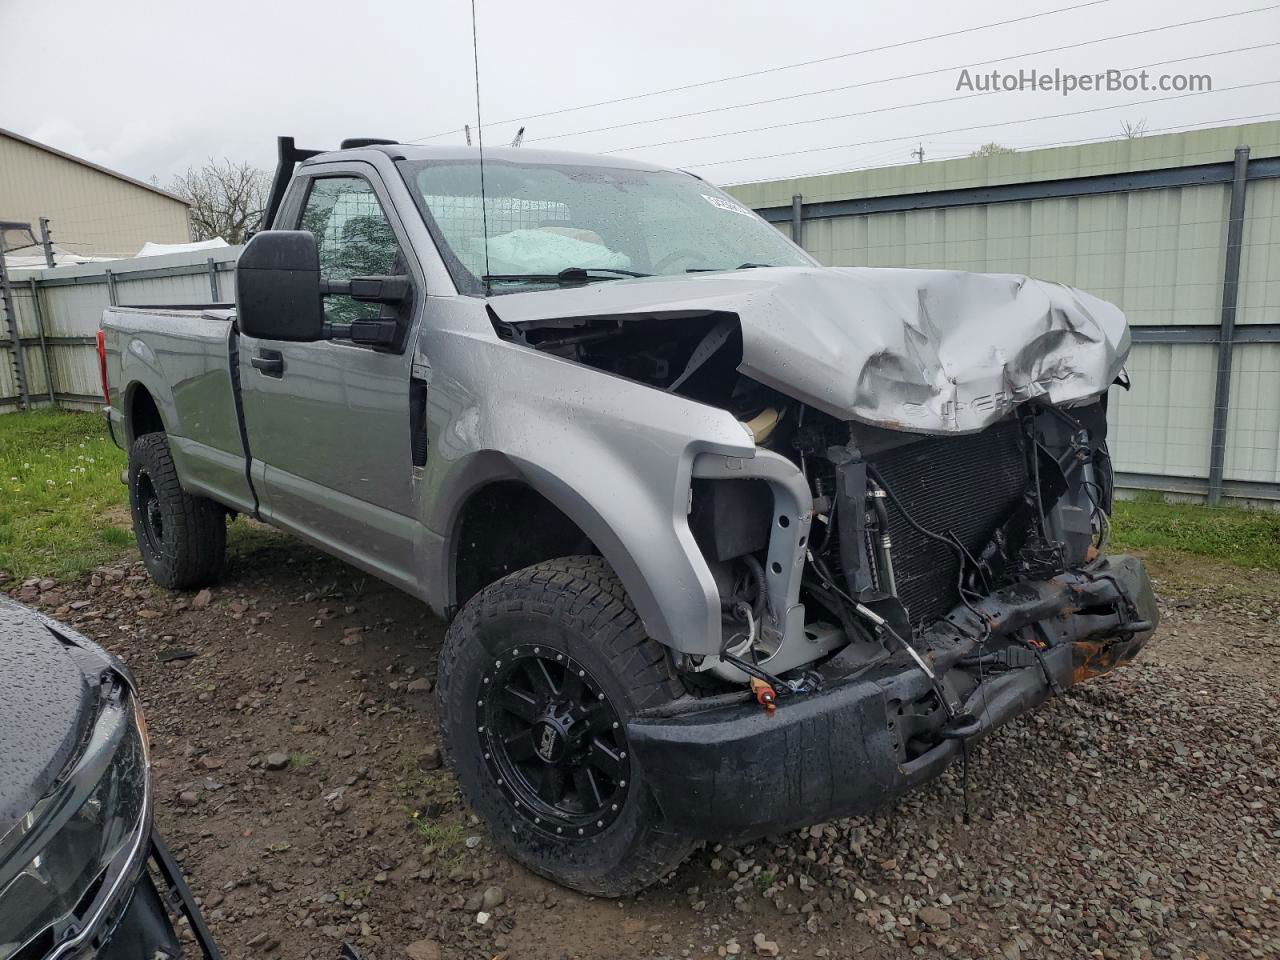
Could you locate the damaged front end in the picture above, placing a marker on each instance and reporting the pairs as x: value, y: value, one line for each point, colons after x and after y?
x: 898, y: 571
x: 948, y: 584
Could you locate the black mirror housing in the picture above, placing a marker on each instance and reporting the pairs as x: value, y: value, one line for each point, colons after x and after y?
x: 278, y: 287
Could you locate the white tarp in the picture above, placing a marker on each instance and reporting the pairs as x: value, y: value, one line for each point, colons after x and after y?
x: 150, y: 249
x: 30, y: 259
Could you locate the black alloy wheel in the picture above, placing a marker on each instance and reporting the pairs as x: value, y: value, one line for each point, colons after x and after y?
x: 541, y: 674
x: 182, y: 538
x: 553, y: 741
x: 150, y: 514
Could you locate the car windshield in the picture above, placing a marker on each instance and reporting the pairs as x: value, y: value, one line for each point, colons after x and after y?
x: 552, y: 224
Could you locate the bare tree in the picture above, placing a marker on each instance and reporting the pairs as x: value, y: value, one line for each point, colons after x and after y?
x: 1131, y: 130
x: 991, y: 150
x: 226, y: 198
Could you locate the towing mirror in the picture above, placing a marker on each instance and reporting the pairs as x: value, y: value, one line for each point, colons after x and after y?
x: 278, y: 286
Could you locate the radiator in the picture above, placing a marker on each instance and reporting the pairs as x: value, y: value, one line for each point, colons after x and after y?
x: 967, y: 485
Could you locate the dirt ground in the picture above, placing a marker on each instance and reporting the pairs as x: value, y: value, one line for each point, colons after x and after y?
x: 1135, y: 817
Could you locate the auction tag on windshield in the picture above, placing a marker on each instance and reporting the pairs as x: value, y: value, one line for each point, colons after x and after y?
x: 727, y: 205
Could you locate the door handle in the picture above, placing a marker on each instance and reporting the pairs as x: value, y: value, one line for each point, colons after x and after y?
x: 269, y: 362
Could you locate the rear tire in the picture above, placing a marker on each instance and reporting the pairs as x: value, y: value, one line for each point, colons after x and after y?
x: 539, y: 675
x: 182, y: 538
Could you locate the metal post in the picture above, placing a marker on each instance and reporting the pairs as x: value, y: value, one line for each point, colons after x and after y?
x: 46, y: 242
x: 44, y: 346
x: 213, y: 280
x: 111, y: 288
x: 1227, y: 328
x: 797, y: 219
x: 15, y: 335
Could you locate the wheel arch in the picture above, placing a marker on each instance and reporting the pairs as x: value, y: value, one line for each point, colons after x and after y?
x: 148, y: 404
x: 141, y: 412
x: 482, y: 481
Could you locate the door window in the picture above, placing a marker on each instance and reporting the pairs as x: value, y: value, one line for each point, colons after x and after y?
x: 354, y: 237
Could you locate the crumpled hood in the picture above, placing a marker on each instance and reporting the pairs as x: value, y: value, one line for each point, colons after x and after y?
x: 928, y: 351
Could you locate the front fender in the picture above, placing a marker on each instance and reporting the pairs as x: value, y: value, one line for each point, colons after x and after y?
x: 614, y: 456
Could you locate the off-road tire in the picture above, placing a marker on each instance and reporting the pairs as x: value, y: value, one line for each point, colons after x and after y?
x: 577, y: 605
x: 182, y: 538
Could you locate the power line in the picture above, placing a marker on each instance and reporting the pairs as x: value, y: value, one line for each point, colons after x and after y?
x: 980, y: 126
x: 901, y: 106
x: 903, y: 76
x: 778, y: 69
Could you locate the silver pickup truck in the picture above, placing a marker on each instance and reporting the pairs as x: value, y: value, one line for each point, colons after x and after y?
x: 728, y: 542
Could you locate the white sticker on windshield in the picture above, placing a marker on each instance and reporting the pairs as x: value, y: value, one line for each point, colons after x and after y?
x: 727, y: 205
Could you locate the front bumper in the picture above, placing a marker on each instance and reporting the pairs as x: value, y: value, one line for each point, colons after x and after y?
x: 136, y: 941
x: 737, y: 772
x: 138, y: 925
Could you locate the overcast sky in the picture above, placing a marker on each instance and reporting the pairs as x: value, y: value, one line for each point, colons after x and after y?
x: 149, y: 87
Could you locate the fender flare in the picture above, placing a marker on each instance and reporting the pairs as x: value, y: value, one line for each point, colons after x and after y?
x: 487, y: 467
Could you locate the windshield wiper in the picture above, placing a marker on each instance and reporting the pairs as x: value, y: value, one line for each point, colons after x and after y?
x: 568, y: 275
x: 741, y: 266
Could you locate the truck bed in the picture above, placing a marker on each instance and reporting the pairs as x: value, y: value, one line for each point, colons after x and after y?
x: 183, y: 359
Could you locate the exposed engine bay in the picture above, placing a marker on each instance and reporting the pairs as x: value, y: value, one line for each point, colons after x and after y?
x: 932, y: 548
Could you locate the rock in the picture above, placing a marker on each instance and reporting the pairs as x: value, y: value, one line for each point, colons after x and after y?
x: 421, y: 685
x: 934, y: 917
x: 423, y: 950
x: 202, y: 599
x: 430, y: 759
x: 471, y: 842
x: 276, y: 761
x: 188, y: 798
x: 493, y: 897
x: 483, y: 917
x: 263, y: 942
x: 765, y: 947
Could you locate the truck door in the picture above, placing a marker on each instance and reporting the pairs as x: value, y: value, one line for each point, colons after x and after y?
x: 328, y: 422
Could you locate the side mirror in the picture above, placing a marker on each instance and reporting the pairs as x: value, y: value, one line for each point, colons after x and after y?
x: 278, y: 286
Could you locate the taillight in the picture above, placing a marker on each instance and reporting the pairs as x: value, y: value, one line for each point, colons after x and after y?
x: 102, y: 366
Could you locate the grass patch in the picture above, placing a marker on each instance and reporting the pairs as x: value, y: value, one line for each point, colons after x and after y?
x: 300, y: 761
x: 446, y: 838
x: 1242, y: 538
x: 763, y: 881
x: 63, y: 510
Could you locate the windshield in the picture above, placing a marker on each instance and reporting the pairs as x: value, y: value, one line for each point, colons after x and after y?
x: 552, y: 224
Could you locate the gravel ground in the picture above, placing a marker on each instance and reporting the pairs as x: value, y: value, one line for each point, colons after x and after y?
x: 300, y: 783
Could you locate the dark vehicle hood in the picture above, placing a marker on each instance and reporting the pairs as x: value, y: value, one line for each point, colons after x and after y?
x: 928, y: 351
x: 48, y: 692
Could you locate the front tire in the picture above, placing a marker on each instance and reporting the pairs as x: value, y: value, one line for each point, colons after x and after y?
x: 182, y: 538
x: 539, y: 675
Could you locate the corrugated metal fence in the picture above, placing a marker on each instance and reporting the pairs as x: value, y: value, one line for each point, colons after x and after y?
x: 58, y: 313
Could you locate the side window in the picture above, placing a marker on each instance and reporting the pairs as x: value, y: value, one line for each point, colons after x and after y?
x: 354, y: 237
